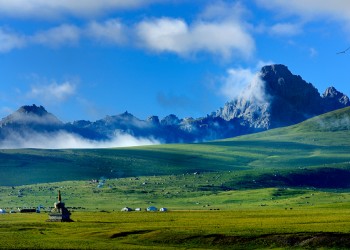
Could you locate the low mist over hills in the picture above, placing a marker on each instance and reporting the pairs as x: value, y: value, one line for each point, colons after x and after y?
x: 314, y: 153
x: 274, y: 99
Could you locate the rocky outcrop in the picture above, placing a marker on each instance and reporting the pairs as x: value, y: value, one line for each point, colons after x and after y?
x: 31, y: 115
x: 288, y: 99
x: 334, y: 99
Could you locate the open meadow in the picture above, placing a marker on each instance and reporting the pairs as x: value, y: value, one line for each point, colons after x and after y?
x: 249, y: 229
x: 283, y: 188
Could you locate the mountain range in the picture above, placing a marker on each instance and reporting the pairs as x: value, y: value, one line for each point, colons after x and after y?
x: 278, y: 98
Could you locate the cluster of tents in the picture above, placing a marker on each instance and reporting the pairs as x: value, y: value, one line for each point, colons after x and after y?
x: 149, y: 209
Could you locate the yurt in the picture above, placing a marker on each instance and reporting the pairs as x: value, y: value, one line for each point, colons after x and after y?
x: 126, y: 209
x: 152, y: 209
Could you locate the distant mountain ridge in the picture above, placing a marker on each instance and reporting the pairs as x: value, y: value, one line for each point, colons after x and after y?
x: 288, y: 100
x: 280, y: 99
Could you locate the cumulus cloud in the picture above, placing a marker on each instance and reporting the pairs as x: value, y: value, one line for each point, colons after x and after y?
x: 10, y: 40
x: 63, y: 139
x: 111, y: 31
x: 57, y: 36
x: 219, y: 30
x: 53, y: 92
x: 58, y: 9
x: 244, y: 83
x: 176, y: 36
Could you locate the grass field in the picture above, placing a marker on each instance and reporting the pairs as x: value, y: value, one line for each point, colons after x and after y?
x: 196, y: 192
x: 283, y: 188
x: 202, y: 215
x: 299, y: 228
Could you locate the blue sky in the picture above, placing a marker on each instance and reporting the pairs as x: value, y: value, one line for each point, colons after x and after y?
x: 88, y: 59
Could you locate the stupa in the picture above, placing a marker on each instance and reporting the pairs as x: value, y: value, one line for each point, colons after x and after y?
x: 59, y: 213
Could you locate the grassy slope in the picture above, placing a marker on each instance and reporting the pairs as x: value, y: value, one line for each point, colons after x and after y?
x: 247, y: 178
x: 319, y: 142
x: 231, y: 170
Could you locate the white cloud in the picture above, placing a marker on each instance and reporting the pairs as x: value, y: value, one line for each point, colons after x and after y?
x: 57, y: 36
x: 164, y: 34
x: 244, y: 83
x: 285, y: 29
x: 63, y: 139
x: 10, y: 40
x: 56, y: 9
x: 111, y: 31
x: 335, y: 9
x: 53, y: 37
x: 53, y: 92
x: 222, y: 10
x: 220, y: 30
x: 227, y: 39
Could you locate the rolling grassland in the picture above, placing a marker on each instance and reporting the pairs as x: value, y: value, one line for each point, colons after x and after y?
x: 284, y: 188
x: 235, y: 229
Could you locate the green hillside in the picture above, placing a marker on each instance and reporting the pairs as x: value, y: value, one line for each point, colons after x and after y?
x: 313, y: 153
x: 284, y: 188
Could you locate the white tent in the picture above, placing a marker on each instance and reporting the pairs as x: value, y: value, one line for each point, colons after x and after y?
x: 163, y: 209
x: 152, y: 209
x: 126, y: 209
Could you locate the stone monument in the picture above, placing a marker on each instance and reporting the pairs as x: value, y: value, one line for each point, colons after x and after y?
x: 59, y: 213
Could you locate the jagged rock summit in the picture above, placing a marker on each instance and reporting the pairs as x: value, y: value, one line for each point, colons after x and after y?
x: 335, y: 99
x: 286, y: 99
x: 29, y: 115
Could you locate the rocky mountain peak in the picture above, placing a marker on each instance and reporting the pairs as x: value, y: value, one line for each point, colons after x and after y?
x: 126, y: 114
x: 335, y: 99
x: 29, y: 115
x: 289, y: 100
x: 170, y: 120
x: 331, y: 92
x: 153, y: 120
x: 278, y: 70
x: 33, y: 109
